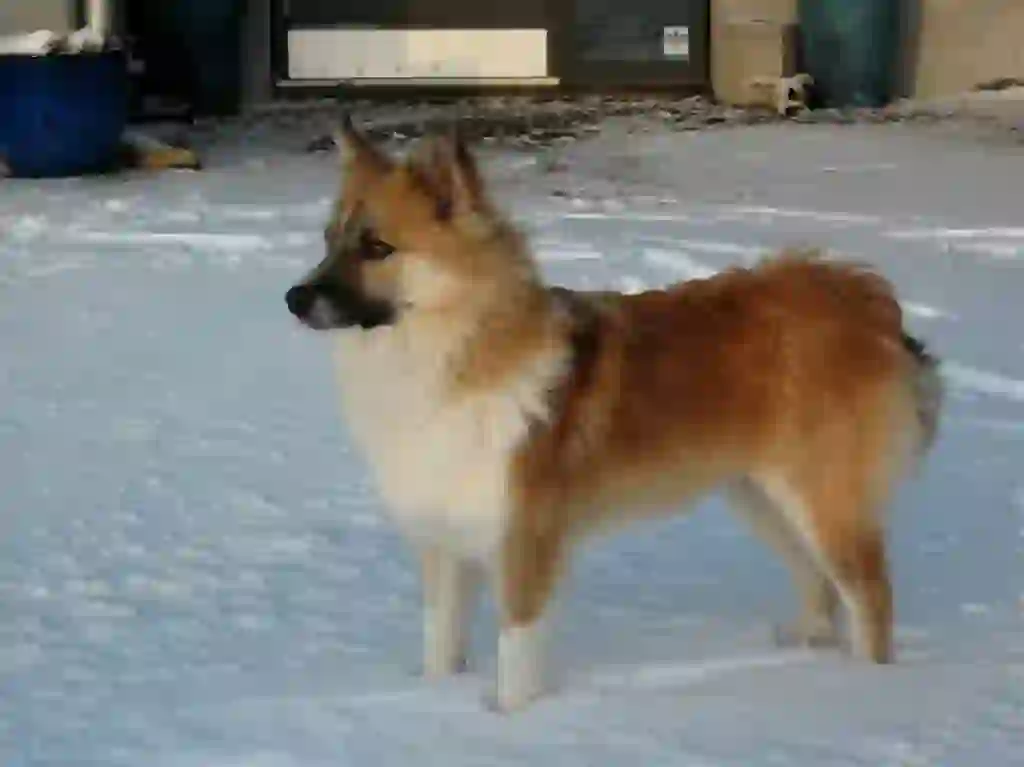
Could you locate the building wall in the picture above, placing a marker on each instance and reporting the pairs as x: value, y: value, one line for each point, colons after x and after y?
x: 961, y: 43
x: 29, y: 15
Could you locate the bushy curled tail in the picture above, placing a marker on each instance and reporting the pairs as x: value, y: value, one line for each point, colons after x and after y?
x: 929, y: 391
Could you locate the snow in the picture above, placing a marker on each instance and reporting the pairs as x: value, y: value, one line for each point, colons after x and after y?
x: 194, y: 570
x: 985, y: 382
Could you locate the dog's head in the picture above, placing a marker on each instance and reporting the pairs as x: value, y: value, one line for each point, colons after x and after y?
x: 418, y: 234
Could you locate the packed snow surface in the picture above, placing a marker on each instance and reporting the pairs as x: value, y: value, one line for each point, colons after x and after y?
x: 195, y: 570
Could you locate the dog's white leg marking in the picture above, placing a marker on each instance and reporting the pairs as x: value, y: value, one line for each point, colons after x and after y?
x: 450, y: 585
x: 854, y: 560
x: 522, y: 658
x: 819, y: 623
x: 532, y: 566
x: 816, y: 625
x: 859, y: 626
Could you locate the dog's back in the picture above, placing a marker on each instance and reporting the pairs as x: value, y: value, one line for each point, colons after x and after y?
x: 792, y: 383
x: 736, y: 371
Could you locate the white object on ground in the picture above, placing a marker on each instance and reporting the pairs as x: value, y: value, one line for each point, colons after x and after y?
x: 85, y: 39
x: 90, y: 38
x: 38, y: 43
x: 44, y: 42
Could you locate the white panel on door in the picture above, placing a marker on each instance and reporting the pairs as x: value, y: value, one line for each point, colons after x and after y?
x: 329, y: 54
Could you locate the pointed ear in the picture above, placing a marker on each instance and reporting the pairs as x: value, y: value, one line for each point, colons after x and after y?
x: 356, y: 149
x: 445, y: 167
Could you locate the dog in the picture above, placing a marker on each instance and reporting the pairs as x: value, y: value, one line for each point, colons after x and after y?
x: 505, y: 421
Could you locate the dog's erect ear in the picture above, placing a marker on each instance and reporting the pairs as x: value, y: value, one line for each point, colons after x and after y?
x: 446, y: 168
x: 356, y: 148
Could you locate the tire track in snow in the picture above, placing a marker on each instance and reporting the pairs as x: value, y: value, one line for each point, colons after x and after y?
x: 977, y: 381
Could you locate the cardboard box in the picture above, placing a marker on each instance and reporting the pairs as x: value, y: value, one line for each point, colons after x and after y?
x: 744, y: 10
x: 963, y: 43
x: 742, y: 50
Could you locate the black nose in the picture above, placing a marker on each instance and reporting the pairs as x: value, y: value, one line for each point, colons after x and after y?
x: 300, y: 300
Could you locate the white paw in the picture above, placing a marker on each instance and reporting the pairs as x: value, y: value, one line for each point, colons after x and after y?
x: 442, y: 668
x: 521, y: 666
x: 506, y: 701
x: 800, y: 635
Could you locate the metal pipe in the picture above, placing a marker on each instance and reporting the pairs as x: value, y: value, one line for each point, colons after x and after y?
x: 98, y: 17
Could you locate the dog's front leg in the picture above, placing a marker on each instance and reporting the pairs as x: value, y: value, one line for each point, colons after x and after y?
x: 449, y: 588
x: 531, y: 566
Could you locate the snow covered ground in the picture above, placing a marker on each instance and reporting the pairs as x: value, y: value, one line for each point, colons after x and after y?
x: 194, y: 571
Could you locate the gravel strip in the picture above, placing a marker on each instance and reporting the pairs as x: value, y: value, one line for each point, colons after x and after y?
x: 532, y: 122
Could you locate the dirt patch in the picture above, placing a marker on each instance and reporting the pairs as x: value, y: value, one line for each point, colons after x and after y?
x: 531, y: 122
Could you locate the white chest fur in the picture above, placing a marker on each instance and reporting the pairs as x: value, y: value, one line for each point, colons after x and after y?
x: 442, y: 463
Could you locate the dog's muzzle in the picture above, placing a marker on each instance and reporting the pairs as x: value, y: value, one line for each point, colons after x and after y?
x: 322, y: 309
x: 300, y: 299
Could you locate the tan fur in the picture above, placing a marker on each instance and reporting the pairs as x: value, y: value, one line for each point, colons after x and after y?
x: 789, y: 384
x: 791, y: 374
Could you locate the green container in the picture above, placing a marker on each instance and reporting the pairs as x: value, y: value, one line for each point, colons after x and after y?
x: 850, y: 48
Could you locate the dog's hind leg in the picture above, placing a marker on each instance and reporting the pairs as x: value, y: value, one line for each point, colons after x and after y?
x: 834, y: 517
x: 450, y: 586
x: 817, y: 624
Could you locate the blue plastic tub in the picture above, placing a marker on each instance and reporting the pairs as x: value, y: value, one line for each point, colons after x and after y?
x: 62, y: 115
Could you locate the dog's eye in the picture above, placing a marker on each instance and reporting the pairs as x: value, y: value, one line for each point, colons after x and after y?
x: 375, y: 249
